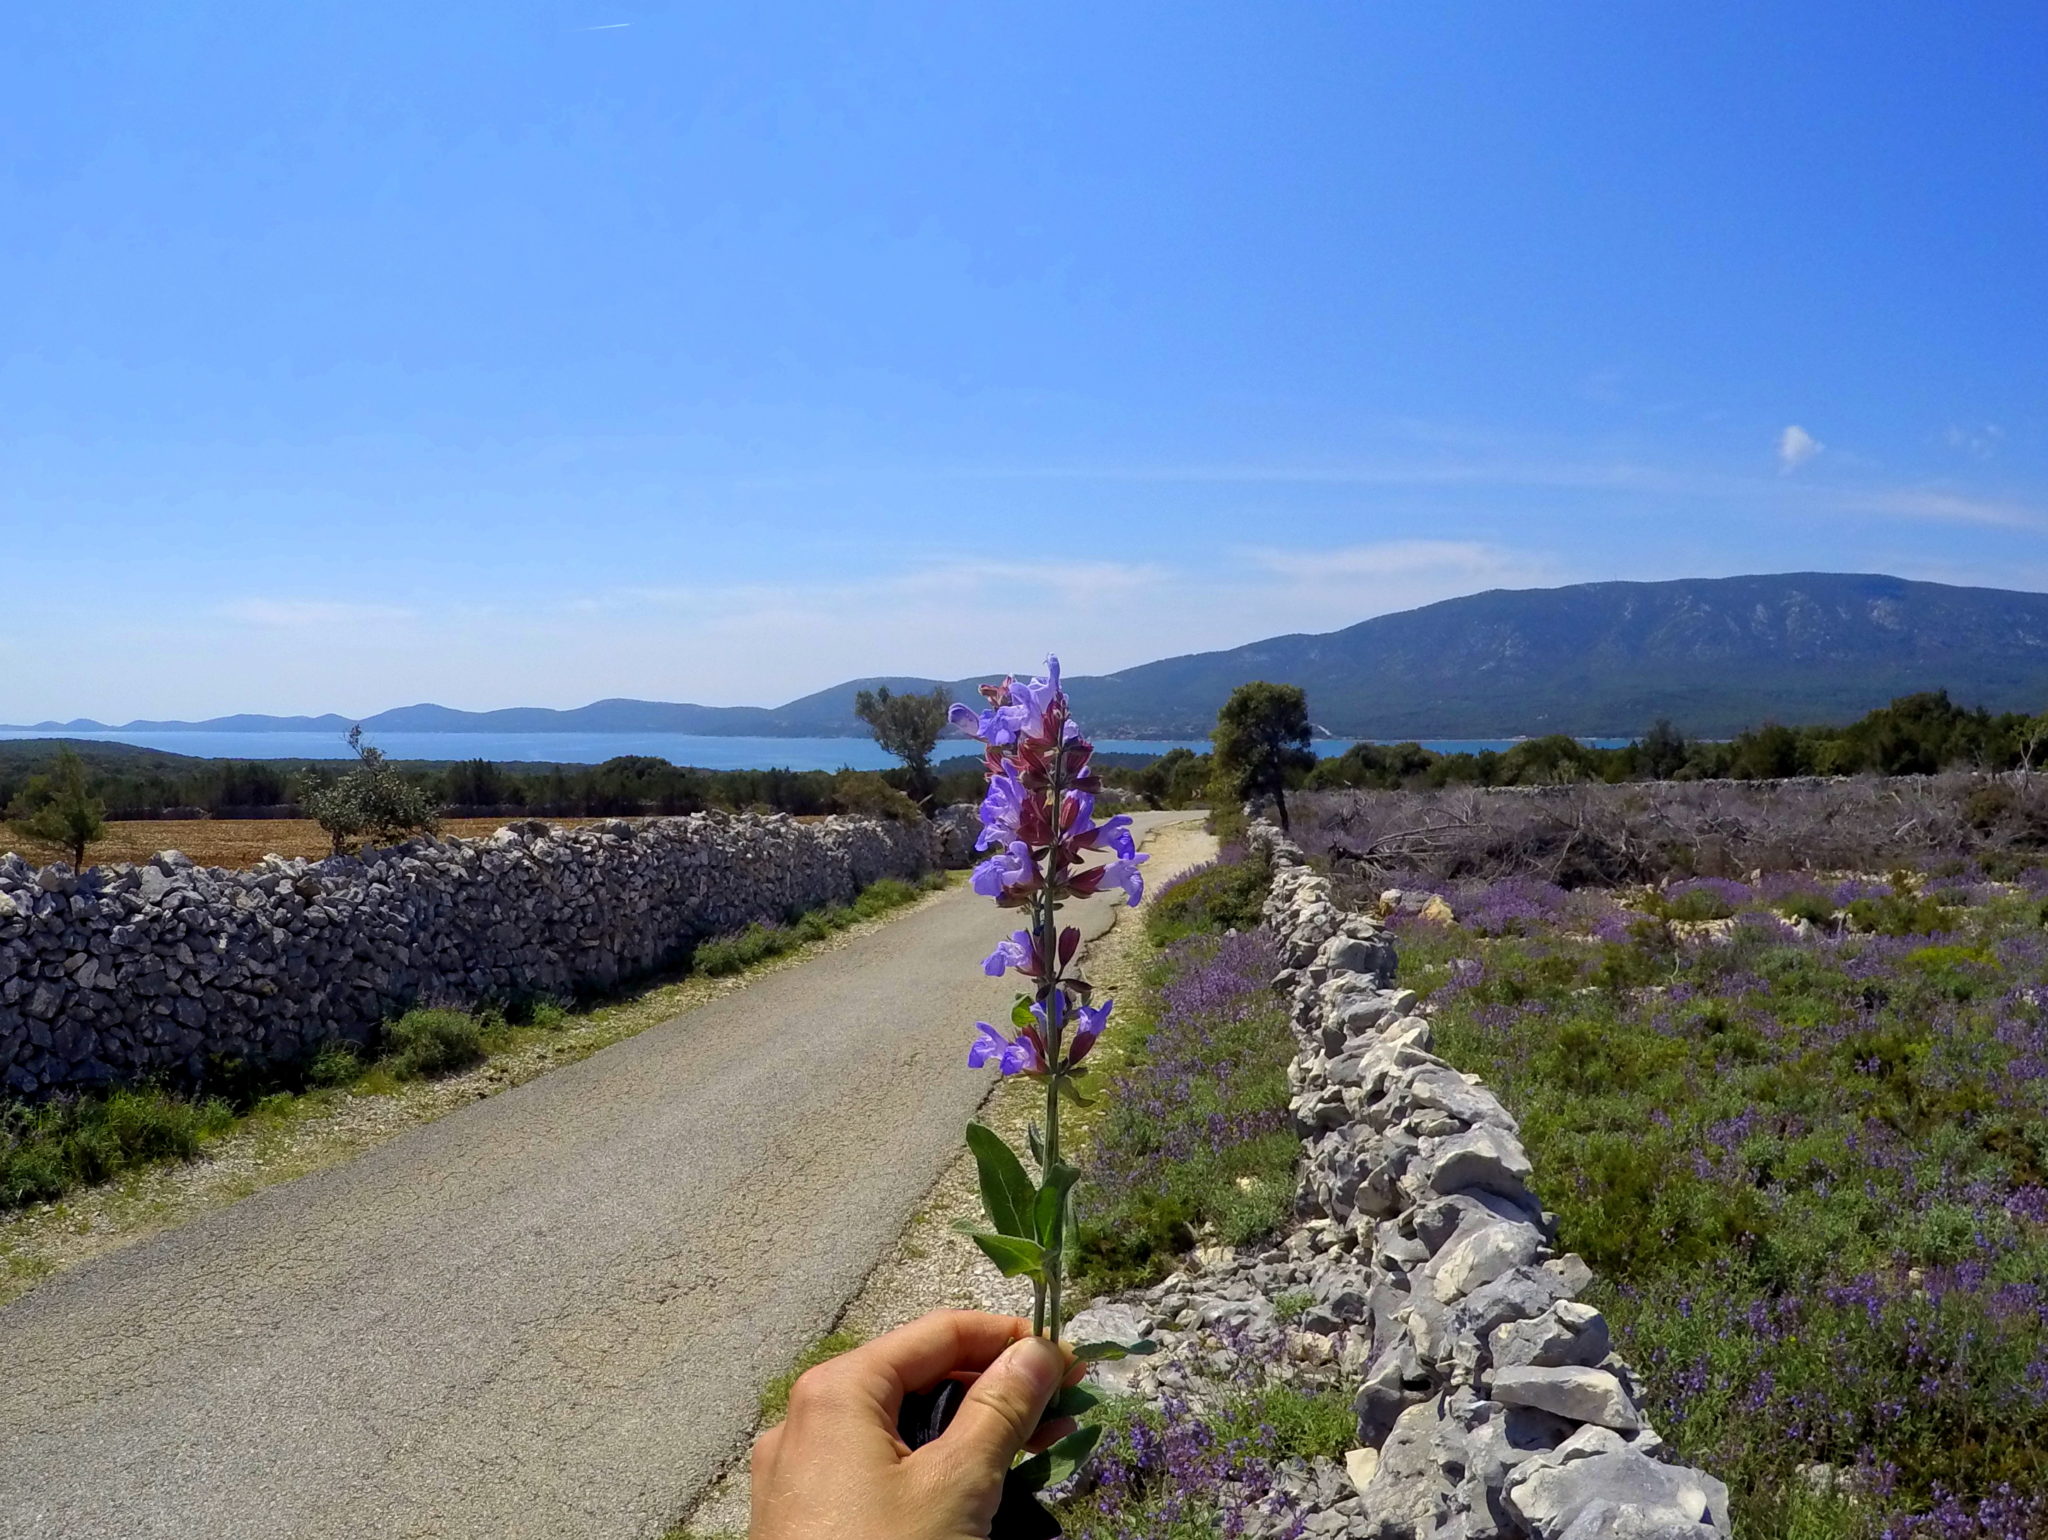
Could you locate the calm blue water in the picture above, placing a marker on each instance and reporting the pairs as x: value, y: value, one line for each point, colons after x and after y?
x: 706, y: 753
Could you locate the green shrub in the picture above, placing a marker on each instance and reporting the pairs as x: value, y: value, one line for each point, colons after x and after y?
x: 1902, y: 914
x: 1693, y: 906
x: 426, y: 1044
x: 1192, y: 1136
x: 335, y: 1064
x: 737, y: 953
x: 1814, y: 907
x: 1229, y: 895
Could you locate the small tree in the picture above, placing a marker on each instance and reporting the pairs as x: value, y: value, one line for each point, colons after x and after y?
x: 908, y: 726
x: 2033, y: 739
x: 1262, y: 737
x: 56, y: 809
x: 372, y: 801
x: 1662, y: 753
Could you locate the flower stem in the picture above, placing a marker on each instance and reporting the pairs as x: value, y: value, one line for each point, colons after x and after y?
x: 1049, y: 1001
x: 1054, y: 1260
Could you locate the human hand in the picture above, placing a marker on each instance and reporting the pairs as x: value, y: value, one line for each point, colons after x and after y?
x: 836, y: 1469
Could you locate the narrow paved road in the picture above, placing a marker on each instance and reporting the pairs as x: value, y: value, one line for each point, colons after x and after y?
x: 548, y: 1314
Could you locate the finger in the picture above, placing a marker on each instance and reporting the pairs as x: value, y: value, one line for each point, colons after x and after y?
x: 1050, y: 1433
x: 915, y: 1357
x: 1001, y: 1411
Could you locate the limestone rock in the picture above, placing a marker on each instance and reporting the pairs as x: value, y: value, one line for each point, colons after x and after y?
x: 1584, y: 1395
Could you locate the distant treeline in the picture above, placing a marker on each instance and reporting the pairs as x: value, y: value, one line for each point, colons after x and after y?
x: 1914, y: 735
x: 142, y: 784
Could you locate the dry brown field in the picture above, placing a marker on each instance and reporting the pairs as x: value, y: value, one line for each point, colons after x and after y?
x: 239, y: 842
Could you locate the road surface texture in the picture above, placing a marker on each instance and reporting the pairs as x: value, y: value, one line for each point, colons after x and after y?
x: 548, y: 1314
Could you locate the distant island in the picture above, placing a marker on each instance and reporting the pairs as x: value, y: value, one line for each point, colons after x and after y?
x: 1714, y: 655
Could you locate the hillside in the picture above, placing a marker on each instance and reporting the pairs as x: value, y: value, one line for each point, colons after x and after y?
x: 1713, y: 654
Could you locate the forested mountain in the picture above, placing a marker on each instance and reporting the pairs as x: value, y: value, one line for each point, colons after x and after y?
x: 1714, y: 655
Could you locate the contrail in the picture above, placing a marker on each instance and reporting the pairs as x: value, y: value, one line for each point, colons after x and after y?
x: 610, y: 26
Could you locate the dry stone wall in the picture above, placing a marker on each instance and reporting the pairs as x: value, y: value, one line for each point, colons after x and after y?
x: 1490, y: 1403
x: 125, y: 972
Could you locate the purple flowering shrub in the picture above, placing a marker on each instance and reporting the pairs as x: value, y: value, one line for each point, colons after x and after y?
x: 1172, y: 1473
x: 1811, y: 1167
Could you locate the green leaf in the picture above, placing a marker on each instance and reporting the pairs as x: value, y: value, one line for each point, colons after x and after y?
x: 1006, y: 1190
x: 1072, y: 1401
x: 1016, y: 1258
x: 1109, y: 1352
x: 1036, y: 1140
x: 1020, y: 1014
x: 1072, y: 1092
x: 1060, y: 1461
x: 1052, y: 1199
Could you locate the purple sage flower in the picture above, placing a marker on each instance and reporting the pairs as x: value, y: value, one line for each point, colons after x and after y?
x: 1017, y: 951
x: 1023, y: 1055
x: 1009, y: 868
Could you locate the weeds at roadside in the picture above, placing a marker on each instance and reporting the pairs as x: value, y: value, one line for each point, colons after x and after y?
x: 775, y: 1394
x: 758, y: 943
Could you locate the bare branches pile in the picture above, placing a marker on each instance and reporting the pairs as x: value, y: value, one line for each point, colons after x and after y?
x: 1646, y: 832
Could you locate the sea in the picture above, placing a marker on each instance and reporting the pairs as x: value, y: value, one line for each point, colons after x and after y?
x: 702, y: 751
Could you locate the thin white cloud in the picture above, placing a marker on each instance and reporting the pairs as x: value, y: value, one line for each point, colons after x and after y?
x: 1936, y: 505
x: 311, y: 614
x: 1981, y: 442
x: 609, y: 26
x: 1795, y: 447
x: 1472, y: 563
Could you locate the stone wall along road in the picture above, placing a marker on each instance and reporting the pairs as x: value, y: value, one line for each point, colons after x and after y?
x: 126, y: 972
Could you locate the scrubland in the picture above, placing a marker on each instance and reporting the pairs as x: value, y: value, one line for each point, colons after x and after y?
x: 1796, y: 1116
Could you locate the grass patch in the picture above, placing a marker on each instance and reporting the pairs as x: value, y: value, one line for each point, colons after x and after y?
x: 775, y: 1395
x: 49, y: 1149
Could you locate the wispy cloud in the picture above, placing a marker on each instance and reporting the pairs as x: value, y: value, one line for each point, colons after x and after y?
x: 311, y: 614
x: 609, y: 26
x: 1796, y: 447
x: 1938, y: 505
x: 1981, y: 442
x: 1470, y: 564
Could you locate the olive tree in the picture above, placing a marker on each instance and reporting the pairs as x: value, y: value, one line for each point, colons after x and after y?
x: 907, y: 726
x: 373, y: 801
x: 1262, y: 737
x: 57, y: 809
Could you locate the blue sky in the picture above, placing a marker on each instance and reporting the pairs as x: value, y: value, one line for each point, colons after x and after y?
x: 499, y: 353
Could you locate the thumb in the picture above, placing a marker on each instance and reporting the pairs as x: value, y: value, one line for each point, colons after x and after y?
x: 1003, y: 1407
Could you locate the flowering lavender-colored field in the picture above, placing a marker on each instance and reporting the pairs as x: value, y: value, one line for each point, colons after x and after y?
x: 1801, y: 1129
x: 1196, y: 1142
